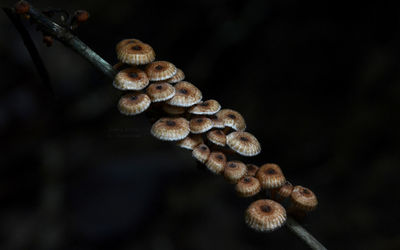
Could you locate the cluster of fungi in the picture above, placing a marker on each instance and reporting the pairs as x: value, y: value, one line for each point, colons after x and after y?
x: 213, y: 134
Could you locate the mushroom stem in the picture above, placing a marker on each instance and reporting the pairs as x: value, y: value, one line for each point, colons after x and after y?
x: 303, y: 234
x: 70, y: 40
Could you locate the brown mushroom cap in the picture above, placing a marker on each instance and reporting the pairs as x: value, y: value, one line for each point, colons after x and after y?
x: 135, y: 53
x: 284, y: 191
x: 270, y: 176
x: 160, y: 91
x: 200, y: 125
x: 243, y: 143
x: 186, y: 95
x: 234, y: 171
x: 133, y: 103
x: 216, y: 162
x: 303, y: 198
x: 190, y: 142
x: 252, y: 169
x: 248, y: 186
x: 232, y: 119
x: 208, y: 107
x: 179, y: 76
x: 170, y: 129
x: 131, y: 79
x: 173, y: 110
x: 217, y: 122
x: 160, y: 70
x: 217, y: 137
x: 265, y: 215
x: 124, y: 42
x: 201, y: 153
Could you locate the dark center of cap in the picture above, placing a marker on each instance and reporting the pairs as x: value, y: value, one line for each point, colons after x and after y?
x: 266, y: 208
x: 204, y: 104
x: 232, y: 165
x: 133, y: 98
x: 305, y: 191
x: 159, y: 87
x: 232, y: 116
x: 199, y: 120
x: 137, y: 47
x: 251, y: 167
x: 159, y: 67
x: 183, y: 91
x: 270, y: 171
x: 218, y: 132
x: 220, y: 157
x: 243, y: 138
x: 247, y: 179
x: 171, y: 123
x: 204, y: 148
x: 133, y: 75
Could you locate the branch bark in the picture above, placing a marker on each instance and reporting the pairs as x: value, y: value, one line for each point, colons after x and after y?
x: 70, y: 40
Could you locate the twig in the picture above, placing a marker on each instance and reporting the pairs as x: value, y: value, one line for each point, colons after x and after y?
x: 68, y: 39
x: 30, y: 46
x: 303, y: 234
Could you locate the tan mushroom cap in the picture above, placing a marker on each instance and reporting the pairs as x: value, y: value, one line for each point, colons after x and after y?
x: 217, y: 122
x: 243, y: 143
x: 170, y: 129
x: 190, y: 142
x: 248, y: 186
x: 131, y: 79
x: 160, y: 91
x: 124, y: 42
x: 216, y: 162
x: 252, y: 169
x: 232, y: 119
x: 234, y: 171
x: 179, y: 76
x: 303, y: 198
x: 133, y: 103
x: 160, y: 70
x: 201, y: 153
x: 173, y: 110
x: 217, y: 137
x: 284, y: 191
x: 186, y: 95
x: 135, y: 53
x: 208, y: 107
x: 265, y: 215
x: 200, y: 125
x: 270, y: 176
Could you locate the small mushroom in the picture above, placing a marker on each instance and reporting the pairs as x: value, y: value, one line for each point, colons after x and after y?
x: 208, y: 107
x: 270, y: 176
x: 200, y: 125
x: 160, y: 91
x: 201, y: 153
x: 134, y: 52
x: 217, y: 137
x: 131, y: 79
x: 170, y: 129
x: 160, y: 70
x: 232, y: 119
x: 234, y: 171
x: 248, y: 186
x: 265, y: 215
x: 179, y: 76
x: 216, y: 162
x: 190, y: 142
x: 186, y: 95
x: 243, y: 143
x: 133, y: 103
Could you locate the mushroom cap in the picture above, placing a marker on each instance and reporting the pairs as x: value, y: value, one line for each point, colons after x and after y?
x: 252, y: 169
x: 284, y: 191
x: 179, y: 76
x: 303, y: 198
x: 217, y: 122
x: 217, y: 137
x: 133, y: 103
x: 216, y: 162
x: 265, y: 215
x: 232, y: 119
x: 234, y: 171
x: 124, y: 42
x: 190, y: 141
x: 160, y: 70
x: 208, y: 107
x: 270, y: 176
x: 186, y: 95
x: 173, y: 110
x: 135, y: 53
x: 131, y: 79
x: 243, y: 143
x: 160, y: 91
x: 201, y: 153
x: 200, y: 125
x: 170, y: 129
x: 248, y: 186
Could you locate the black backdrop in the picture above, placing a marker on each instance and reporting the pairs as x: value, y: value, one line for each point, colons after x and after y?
x: 318, y: 85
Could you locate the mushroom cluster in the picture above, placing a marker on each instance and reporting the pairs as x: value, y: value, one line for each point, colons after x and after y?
x: 211, y: 132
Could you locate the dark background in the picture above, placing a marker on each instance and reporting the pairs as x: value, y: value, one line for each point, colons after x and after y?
x: 318, y: 84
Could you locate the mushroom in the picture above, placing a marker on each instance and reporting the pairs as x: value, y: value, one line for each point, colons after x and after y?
x: 190, y: 142
x: 232, y: 119
x: 265, y: 215
x: 270, y: 176
x: 248, y: 186
x: 252, y: 169
x: 170, y: 129
x: 303, y: 199
x: 208, y: 107
x: 200, y: 125
x: 234, y: 171
x: 179, y: 76
x: 160, y: 70
x: 133, y: 103
x: 160, y: 91
x: 243, y: 143
x: 201, y: 153
x: 131, y: 79
x: 216, y: 162
x: 186, y: 95
x: 217, y: 137
x: 134, y: 52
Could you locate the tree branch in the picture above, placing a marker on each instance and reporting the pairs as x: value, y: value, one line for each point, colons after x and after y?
x: 70, y: 40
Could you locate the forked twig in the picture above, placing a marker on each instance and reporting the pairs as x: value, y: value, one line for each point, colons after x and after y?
x: 70, y: 40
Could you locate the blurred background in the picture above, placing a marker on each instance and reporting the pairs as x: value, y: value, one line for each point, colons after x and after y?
x: 318, y: 84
